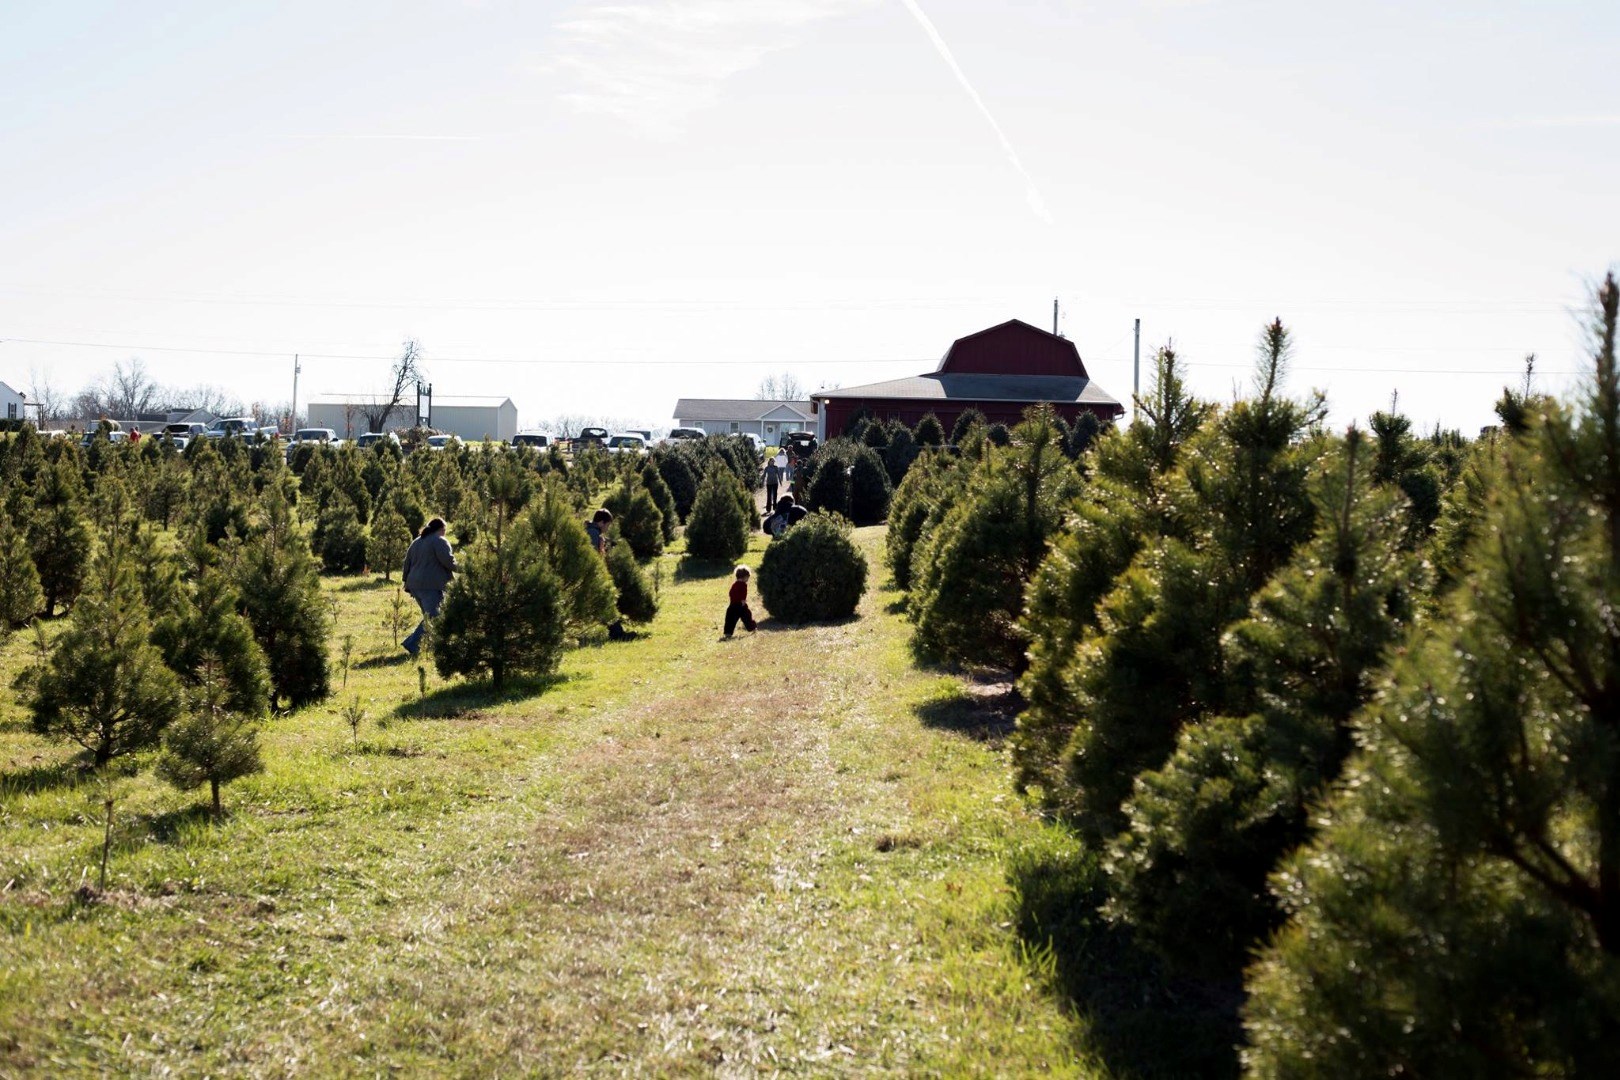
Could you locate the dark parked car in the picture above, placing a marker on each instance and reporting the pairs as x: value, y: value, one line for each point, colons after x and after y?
x: 591, y: 436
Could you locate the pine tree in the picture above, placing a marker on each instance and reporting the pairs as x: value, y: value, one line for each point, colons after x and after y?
x: 339, y: 538
x: 930, y: 432
x: 899, y: 454
x: 1189, y: 872
x: 917, y: 497
x: 966, y: 422
x: 814, y: 573
x: 869, y: 488
x: 829, y: 485
x: 557, y: 538
x: 281, y: 595
x: 503, y: 614
x: 1125, y: 506
x: 663, y: 497
x: 390, y: 537
x: 637, y: 517
x: 970, y: 596
x: 103, y: 684
x: 58, y: 536
x: 1459, y: 914
x: 1155, y: 664
x: 637, y: 601
x: 21, y: 597
x: 719, y: 526
x: 682, y: 481
x: 226, y: 688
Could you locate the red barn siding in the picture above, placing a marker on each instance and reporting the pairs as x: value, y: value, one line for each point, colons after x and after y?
x: 1013, y: 348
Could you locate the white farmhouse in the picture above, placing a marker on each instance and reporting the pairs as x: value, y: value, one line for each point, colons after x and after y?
x: 724, y: 416
x: 11, y: 403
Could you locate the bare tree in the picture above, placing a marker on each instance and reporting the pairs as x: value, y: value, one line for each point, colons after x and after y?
x: 407, y: 372
x: 783, y: 387
x: 51, y: 401
x: 131, y: 390
x: 207, y: 397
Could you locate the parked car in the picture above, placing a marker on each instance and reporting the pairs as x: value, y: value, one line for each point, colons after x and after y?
x: 542, y: 439
x: 181, y: 434
x: 799, y: 444
x: 591, y: 436
x: 240, y: 426
x: 322, y: 435
x: 757, y: 442
x: 627, y: 442
x: 371, y: 438
x: 681, y: 434
x: 441, y: 442
x: 645, y: 433
x: 112, y: 436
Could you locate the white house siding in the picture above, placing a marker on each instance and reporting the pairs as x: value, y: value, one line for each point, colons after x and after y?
x: 11, y: 404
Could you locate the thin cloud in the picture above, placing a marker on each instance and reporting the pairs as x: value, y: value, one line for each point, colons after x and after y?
x: 1592, y: 120
x: 1031, y: 193
x: 654, y: 64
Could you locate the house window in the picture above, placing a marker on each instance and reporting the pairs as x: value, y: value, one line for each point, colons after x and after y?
x: 11, y: 410
x: 733, y: 427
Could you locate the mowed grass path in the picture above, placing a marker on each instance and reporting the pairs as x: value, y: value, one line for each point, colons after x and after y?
x: 784, y: 852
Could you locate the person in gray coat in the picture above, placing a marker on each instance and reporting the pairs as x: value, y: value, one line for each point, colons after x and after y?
x: 429, y: 565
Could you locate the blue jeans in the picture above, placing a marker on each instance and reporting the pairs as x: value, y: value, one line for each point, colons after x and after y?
x: 429, y: 601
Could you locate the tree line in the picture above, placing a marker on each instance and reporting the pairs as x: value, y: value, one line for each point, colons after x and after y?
x: 1331, y: 714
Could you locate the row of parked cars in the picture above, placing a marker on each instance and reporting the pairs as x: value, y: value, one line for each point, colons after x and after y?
x: 634, y: 441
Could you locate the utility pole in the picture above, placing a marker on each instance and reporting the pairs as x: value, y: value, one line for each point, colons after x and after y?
x: 1054, y: 316
x: 292, y: 419
x: 1136, y: 369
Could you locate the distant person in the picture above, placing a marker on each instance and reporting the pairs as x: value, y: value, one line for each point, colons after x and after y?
x: 429, y: 565
x: 738, y: 608
x: 773, y: 477
x: 597, y: 529
x: 785, y: 463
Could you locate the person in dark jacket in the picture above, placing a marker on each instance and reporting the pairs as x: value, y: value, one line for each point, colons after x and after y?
x: 773, y: 478
x: 429, y: 565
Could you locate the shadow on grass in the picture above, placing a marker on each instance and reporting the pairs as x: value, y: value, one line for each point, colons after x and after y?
x: 985, y: 712
x: 364, y: 584
x: 171, y: 826
x: 897, y: 606
x: 691, y: 568
x: 399, y: 659
x: 772, y: 624
x: 32, y: 781
x: 1139, y: 1020
x: 467, y: 698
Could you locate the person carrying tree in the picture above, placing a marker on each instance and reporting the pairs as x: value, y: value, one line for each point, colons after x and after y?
x: 429, y: 565
x: 738, y: 608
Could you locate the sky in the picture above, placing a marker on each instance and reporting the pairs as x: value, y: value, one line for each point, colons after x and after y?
x: 599, y: 207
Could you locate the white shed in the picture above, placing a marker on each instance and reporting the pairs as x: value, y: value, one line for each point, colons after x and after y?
x: 11, y: 403
x: 469, y: 418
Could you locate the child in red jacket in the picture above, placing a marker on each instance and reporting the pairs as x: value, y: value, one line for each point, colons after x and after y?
x: 739, y: 603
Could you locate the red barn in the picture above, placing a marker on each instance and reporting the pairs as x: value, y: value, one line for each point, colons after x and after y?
x: 1000, y: 371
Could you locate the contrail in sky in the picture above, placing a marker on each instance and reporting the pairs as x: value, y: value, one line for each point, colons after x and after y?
x: 1036, y: 203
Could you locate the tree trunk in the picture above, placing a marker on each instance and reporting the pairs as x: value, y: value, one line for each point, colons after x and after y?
x: 213, y: 782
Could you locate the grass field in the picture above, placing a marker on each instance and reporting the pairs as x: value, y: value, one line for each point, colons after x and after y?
x: 785, y: 852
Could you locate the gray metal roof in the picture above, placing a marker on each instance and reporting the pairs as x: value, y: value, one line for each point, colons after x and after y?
x: 735, y: 409
x: 937, y: 387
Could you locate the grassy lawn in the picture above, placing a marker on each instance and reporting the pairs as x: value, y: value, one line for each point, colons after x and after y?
x: 682, y: 855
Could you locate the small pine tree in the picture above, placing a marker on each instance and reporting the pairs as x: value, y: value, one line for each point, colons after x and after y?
x: 814, y: 573
x: 829, y: 486
x: 503, y: 614
x: 637, y: 517
x: 899, y: 453
x: 678, y: 474
x: 210, y: 744
x: 965, y: 423
x: 21, y: 598
x: 557, y: 538
x: 103, y: 684
x: 390, y: 537
x: 637, y: 601
x: 653, y: 480
x: 339, y: 538
x: 281, y: 595
x: 869, y: 488
x: 205, y: 640
x: 930, y: 432
x: 721, y: 518
x: 58, y: 536
x: 916, y: 498
x: 969, y: 601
